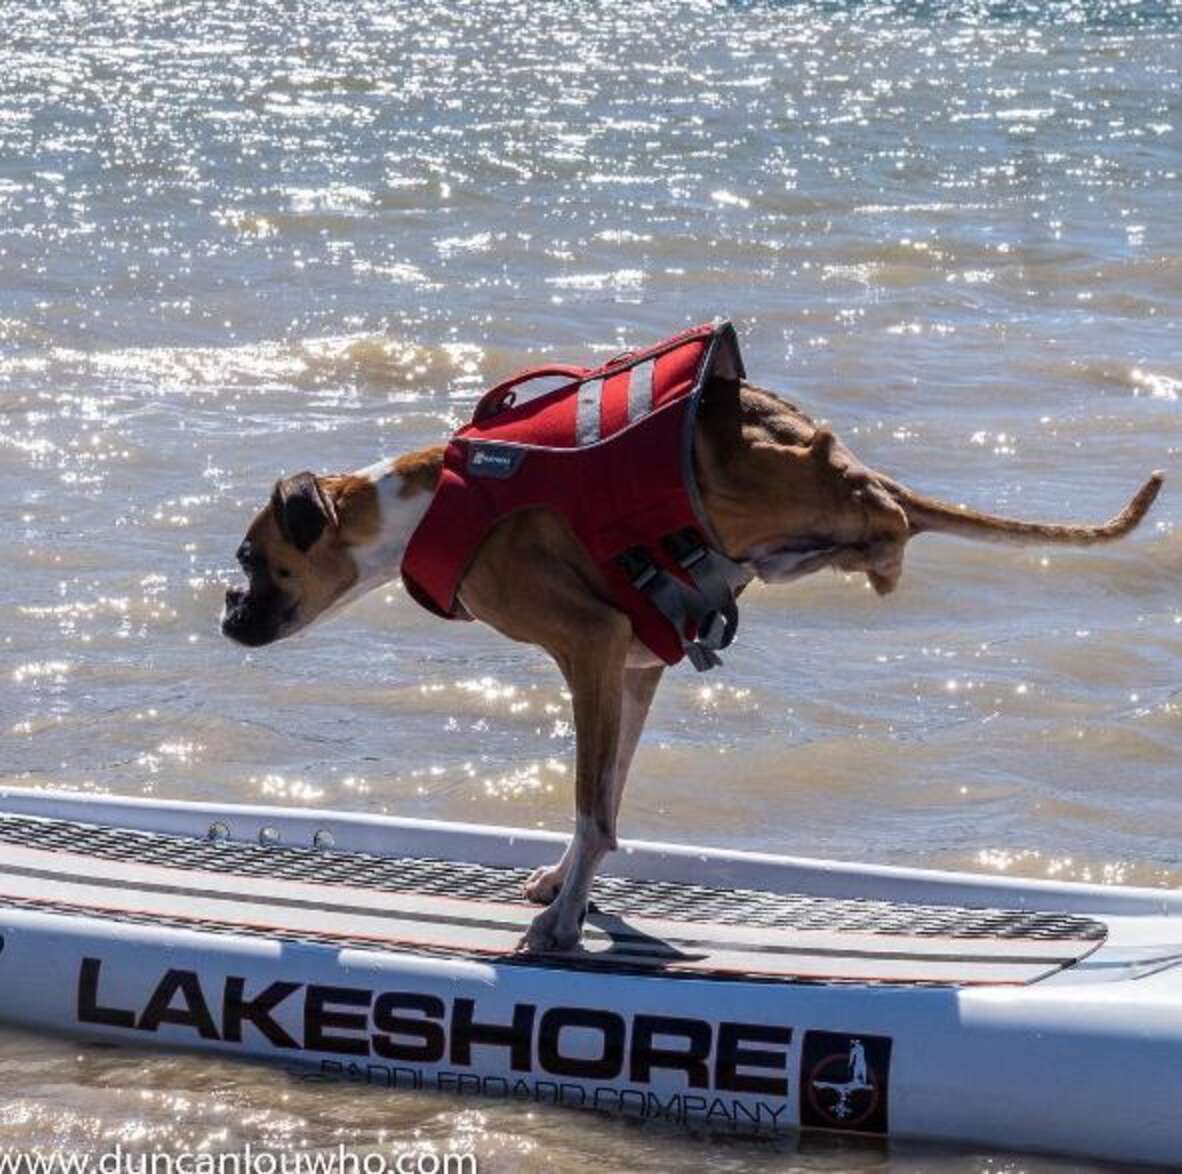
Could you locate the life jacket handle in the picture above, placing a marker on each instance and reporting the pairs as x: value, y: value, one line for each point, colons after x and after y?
x: 501, y: 396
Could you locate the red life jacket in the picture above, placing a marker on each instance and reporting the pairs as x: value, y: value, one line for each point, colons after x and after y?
x: 612, y: 451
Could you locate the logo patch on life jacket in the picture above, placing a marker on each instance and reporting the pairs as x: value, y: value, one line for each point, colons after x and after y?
x: 494, y: 460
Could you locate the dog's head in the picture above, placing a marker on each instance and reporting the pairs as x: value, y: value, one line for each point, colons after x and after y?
x: 297, y: 560
x: 322, y: 540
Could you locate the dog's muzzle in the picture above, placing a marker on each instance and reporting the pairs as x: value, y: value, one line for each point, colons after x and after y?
x: 250, y: 620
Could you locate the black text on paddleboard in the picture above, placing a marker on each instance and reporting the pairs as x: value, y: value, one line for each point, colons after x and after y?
x: 418, y: 1028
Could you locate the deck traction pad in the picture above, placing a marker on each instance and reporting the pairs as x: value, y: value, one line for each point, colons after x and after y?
x: 625, y: 896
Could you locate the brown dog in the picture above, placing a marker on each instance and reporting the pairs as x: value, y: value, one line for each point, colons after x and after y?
x: 785, y: 497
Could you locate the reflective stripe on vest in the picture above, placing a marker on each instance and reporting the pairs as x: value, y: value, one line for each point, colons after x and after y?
x: 606, y: 405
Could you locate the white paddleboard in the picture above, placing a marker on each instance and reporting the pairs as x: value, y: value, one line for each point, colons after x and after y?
x: 748, y: 991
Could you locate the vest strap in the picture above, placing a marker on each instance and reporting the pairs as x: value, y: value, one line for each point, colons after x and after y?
x: 709, y: 604
x: 504, y: 396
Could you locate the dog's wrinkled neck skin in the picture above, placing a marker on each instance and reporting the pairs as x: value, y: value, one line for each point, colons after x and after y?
x: 398, y: 506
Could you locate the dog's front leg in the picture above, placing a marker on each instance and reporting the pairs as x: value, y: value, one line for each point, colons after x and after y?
x: 640, y: 685
x: 533, y: 581
x: 595, y: 672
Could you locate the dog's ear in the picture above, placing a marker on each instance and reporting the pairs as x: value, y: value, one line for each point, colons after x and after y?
x: 302, y: 509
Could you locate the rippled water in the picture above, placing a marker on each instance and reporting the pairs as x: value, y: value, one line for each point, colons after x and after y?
x: 239, y: 239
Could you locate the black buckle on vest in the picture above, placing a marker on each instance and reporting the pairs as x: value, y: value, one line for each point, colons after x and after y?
x: 712, y: 630
x: 685, y: 547
x: 707, y: 602
x: 638, y: 565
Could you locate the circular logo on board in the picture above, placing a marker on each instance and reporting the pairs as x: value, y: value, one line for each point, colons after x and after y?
x: 844, y: 1080
x: 842, y: 1088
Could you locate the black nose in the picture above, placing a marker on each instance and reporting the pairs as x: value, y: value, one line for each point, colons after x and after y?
x: 250, y: 618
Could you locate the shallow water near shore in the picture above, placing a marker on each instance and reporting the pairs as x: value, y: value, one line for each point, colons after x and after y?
x: 240, y: 240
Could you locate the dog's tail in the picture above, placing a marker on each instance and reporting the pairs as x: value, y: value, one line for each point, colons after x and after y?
x: 929, y: 514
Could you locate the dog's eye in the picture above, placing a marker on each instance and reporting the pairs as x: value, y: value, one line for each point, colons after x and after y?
x: 282, y: 573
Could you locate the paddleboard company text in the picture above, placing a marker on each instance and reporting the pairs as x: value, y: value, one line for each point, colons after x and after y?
x: 674, y: 1067
x: 553, y: 1049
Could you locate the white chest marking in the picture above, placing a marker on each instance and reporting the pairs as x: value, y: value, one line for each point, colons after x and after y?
x: 380, y: 559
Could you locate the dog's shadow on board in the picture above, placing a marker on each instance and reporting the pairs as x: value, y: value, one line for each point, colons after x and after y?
x: 630, y: 944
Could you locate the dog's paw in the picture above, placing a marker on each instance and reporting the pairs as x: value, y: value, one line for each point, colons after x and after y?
x: 544, y: 884
x: 550, y: 932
